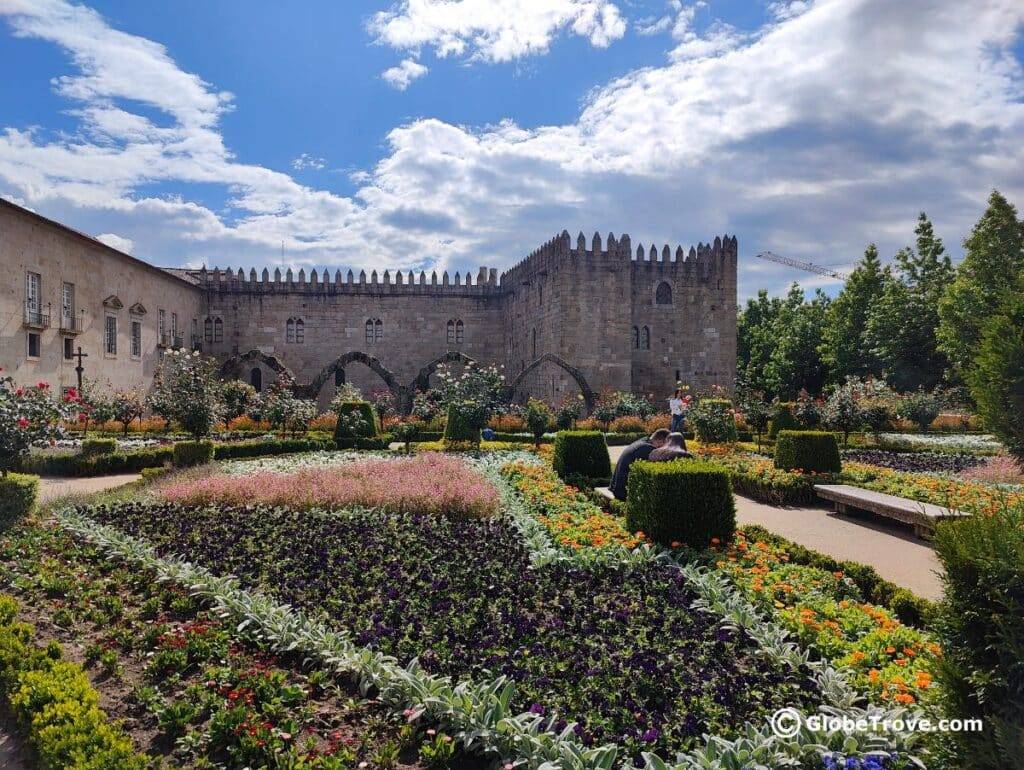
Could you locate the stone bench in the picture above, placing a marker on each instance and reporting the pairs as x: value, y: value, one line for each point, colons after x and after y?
x: 922, y: 516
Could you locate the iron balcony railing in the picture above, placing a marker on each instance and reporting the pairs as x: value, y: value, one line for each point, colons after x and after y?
x: 36, y: 318
x: 70, y: 324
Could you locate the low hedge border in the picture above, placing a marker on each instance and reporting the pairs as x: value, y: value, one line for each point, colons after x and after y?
x: 56, y: 705
x: 154, y: 457
x: 581, y: 453
x: 812, y: 451
x: 99, y: 446
x: 912, y: 610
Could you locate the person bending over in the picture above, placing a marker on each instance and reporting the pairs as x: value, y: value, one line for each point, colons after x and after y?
x: 639, y: 450
x: 673, y: 449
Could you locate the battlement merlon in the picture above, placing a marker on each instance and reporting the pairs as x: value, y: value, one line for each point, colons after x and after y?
x: 701, y: 260
x: 399, y: 282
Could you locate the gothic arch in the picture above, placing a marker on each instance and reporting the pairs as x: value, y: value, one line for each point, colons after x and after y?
x: 357, y: 356
x: 422, y: 380
x: 232, y: 367
x: 588, y: 395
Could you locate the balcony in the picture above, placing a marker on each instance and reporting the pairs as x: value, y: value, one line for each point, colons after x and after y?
x: 163, y: 339
x: 70, y: 325
x: 36, y: 319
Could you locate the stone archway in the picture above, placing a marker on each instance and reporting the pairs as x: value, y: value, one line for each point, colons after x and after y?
x: 233, y: 366
x: 422, y: 379
x: 357, y: 356
x: 589, y: 397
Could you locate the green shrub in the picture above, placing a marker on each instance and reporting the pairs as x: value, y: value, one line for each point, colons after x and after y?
x: 376, y: 443
x: 783, y: 419
x: 242, y: 449
x: 980, y: 627
x: 98, y: 446
x: 56, y: 704
x: 18, y: 494
x: 356, y: 419
x: 811, y: 451
x: 685, y: 501
x: 713, y: 421
x: 462, y: 425
x: 189, y: 453
x: 581, y: 453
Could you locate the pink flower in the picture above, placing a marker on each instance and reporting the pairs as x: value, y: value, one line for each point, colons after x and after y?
x: 22, y: 422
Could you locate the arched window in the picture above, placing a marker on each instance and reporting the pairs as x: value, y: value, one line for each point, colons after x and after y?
x: 295, y: 331
x: 663, y: 294
x: 256, y: 379
x: 339, y: 377
x: 460, y: 332
x: 645, y: 338
x: 218, y: 330
x: 636, y: 338
x: 451, y: 332
x: 374, y: 331
x: 208, y: 329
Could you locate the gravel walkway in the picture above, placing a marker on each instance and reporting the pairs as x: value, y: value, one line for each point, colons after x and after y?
x: 888, y: 546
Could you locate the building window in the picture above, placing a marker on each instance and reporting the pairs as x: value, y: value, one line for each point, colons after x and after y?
x: 256, y: 379
x: 161, y: 327
x: 636, y: 338
x: 645, y: 338
x: 374, y: 331
x: 136, y: 339
x: 110, y: 336
x: 208, y: 329
x: 174, y: 328
x: 69, y: 348
x: 663, y: 294
x: 34, y: 344
x: 295, y: 331
x: 456, y: 332
x: 33, y: 287
x: 218, y: 329
x: 67, y: 305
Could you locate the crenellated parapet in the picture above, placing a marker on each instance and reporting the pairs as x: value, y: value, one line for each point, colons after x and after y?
x: 699, y: 263
x: 398, y: 282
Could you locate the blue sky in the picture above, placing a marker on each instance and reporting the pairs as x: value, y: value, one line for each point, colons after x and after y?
x: 459, y: 133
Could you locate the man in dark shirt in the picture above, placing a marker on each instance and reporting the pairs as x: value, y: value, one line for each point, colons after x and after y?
x: 674, y: 448
x: 638, y: 450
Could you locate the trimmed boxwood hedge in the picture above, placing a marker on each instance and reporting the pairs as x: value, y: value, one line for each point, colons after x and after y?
x: 18, y: 493
x: 99, y: 446
x: 242, y: 449
x: 189, y: 453
x: 581, y: 453
x: 683, y: 501
x: 811, y: 451
x: 782, y: 419
x: 369, y: 428
x: 459, y: 429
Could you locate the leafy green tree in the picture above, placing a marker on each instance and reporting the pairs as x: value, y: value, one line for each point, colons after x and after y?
x: 843, y: 348
x: 993, y: 260
x: 126, y: 405
x: 841, y: 411
x: 757, y: 412
x: 755, y: 341
x: 538, y: 418
x: 997, y: 377
x: 239, y: 397
x: 901, y: 329
x: 920, y: 408
x: 795, y: 362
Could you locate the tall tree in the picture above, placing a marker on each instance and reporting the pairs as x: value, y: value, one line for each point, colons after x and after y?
x: 901, y: 329
x: 843, y: 348
x: 993, y: 263
x: 755, y: 340
x: 795, y: 362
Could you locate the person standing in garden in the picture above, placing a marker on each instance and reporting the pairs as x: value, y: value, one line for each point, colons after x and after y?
x: 677, y: 408
x: 639, y: 450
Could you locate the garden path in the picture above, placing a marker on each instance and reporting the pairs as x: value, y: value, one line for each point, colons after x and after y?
x: 12, y: 757
x: 888, y: 546
x: 52, y: 488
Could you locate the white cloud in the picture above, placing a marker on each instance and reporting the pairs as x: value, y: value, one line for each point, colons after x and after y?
x: 812, y: 136
x: 402, y: 75
x: 494, y: 30
x: 115, y: 241
x: 307, y: 161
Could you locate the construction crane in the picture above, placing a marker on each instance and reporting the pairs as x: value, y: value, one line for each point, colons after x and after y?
x: 810, y: 267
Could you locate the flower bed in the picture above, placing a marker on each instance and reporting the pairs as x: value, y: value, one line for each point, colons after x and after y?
x: 956, y: 442
x: 949, y: 493
x: 914, y: 462
x: 826, y: 612
x: 462, y: 596
x: 573, y: 520
x: 194, y: 691
x: 430, y: 484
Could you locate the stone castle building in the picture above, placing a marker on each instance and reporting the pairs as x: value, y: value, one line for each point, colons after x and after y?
x: 573, y: 317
